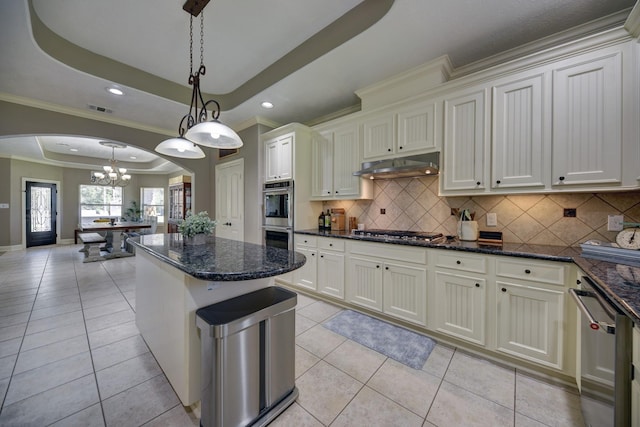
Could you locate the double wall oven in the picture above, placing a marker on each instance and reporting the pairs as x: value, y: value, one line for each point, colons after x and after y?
x: 277, y: 218
x: 605, y: 358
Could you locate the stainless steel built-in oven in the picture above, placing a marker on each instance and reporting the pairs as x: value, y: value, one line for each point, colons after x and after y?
x: 278, y: 237
x: 278, y: 203
x: 605, y: 358
x: 277, y: 220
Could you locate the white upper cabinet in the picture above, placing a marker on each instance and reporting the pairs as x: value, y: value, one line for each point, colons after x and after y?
x: 404, y: 130
x: 278, y: 156
x: 587, y: 119
x: 465, y: 141
x: 520, y: 132
x: 336, y: 156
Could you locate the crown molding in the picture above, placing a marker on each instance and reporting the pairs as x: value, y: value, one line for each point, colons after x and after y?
x: 609, y: 22
x: 253, y: 121
x: 632, y: 24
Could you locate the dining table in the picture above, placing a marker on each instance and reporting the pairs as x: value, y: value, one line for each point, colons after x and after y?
x: 113, y: 232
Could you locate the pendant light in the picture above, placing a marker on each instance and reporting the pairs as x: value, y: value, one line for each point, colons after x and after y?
x: 194, y: 127
x: 112, y: 176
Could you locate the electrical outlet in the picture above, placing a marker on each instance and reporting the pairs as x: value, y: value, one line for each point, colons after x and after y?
x: 383, y: 211
x: 4, y: 205
x: 492, y: 219
x: 615, y: 222
x: 569, y: 212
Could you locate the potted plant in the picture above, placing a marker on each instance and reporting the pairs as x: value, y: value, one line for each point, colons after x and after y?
x: 195, y: 228
x: 133, y: 213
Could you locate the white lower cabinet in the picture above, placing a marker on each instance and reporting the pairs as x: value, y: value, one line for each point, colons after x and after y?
x: 529, y: 322
x: 331, y: 273
x: 365, y: 282
x: 460, y: 306
x: 306, y: 276
x: 404, y: 292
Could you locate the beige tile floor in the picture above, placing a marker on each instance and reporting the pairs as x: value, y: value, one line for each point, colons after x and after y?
x: 70, y: 355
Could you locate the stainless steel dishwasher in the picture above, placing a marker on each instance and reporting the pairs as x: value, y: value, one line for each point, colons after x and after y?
x: 605, y: 358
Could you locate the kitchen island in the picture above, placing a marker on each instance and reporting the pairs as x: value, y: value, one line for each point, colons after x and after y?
x: 173, y: 280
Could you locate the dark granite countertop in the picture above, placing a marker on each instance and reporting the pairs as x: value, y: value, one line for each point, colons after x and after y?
x: 620, y: 283
x: 219, y: 259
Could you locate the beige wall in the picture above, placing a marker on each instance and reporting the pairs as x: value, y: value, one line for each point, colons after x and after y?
x: 413, y: 204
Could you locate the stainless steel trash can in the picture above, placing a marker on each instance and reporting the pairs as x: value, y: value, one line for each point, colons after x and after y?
x: 248, y: 358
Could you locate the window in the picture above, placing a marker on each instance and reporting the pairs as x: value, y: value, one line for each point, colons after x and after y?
x: 97, y: 201
x: 152, y: 203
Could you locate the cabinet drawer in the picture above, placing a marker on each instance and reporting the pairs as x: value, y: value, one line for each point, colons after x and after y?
x: 390, y: 251
x: 531, y: 270
x: 464, y: 262
x: 331, y: 244
x: 305, y: 240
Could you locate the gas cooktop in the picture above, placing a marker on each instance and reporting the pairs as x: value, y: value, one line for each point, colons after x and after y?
x: 423, y: 236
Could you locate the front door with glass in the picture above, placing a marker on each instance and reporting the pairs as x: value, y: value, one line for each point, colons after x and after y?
x: 40, y: 216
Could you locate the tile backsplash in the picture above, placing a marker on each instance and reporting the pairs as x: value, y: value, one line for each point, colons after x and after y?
x: 414, y: 204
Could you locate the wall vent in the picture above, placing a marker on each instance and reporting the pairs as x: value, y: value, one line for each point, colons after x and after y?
x: 100, y: 109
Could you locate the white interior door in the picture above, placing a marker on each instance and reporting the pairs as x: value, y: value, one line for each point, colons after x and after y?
x: 230, y: 200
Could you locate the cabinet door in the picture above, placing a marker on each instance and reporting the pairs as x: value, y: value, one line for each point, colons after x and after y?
x: 587, y: 121
x: 331, y: 274
x: 322, y: 165
x: 378, y: 135
x: 285, y: 157
x: 518, y: 133
x: 271, y: 165
x: 364, y: 286
x: 305, y: 276
x: 460, y: 309
x: 465, y: 141
x: 529, y: 322
x: 346, y: 160
x: 416, y: 129
x: 404, y: 292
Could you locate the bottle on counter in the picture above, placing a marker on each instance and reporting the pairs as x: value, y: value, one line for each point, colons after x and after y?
x: 327, y: 220
x: 321, y: 221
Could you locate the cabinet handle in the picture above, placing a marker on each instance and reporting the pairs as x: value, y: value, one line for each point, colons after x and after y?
x: 498, y: 182
x: 477, y: 285
x: 561, y: 178
x: 527, y: 271
x: 578, y: 282
x: 321, y: 256
x: 458, y: 262
x: 504, y: 289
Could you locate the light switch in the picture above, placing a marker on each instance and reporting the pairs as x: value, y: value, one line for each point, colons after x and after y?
x: 4, y: 205
x: 492, y: 219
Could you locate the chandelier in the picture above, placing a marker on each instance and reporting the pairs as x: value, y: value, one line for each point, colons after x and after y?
x: 112, y: 176
x: 195, y: 128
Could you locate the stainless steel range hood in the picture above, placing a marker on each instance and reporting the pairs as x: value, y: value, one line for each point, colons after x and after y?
x: 401, y: 167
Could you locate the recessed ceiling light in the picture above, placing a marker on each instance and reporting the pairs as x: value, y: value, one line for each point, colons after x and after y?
x: 73, y: 149
x: 115, y: 91
x: 267, y: 104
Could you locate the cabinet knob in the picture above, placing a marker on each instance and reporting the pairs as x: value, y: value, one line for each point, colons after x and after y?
x: 527, y: 271
x: 312, y: 254
x: 478, y: 183
x: 321, y: 256
x: 504, y: 289
x: 328, y: 192
x: 578, y: 282
x: 477, y: 285
x: 386, y: 268
x: 498, y: 182
x: 331, y: 244
x: 377, y: 266
x: 336, y: 192
x: 561, y: 178
x: 458, y: 262
x: 305, y: 241
x: 388, y: 149
x: 400, y: 147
